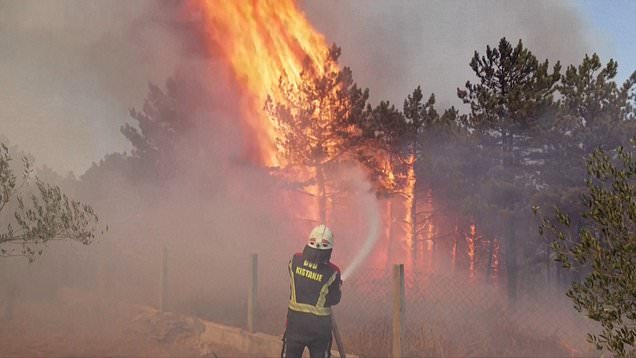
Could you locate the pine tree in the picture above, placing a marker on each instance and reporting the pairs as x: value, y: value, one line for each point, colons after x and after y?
x: 158, y: 126
x: 317, y: 122
x: 593, y: 112
x: 418, y: 116
x: 513, y: 92
x: 383, y: 129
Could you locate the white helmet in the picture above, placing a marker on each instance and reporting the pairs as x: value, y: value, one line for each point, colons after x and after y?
x: 321, y: 238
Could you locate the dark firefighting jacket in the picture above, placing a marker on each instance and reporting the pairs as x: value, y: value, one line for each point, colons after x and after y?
x: 314, y: 289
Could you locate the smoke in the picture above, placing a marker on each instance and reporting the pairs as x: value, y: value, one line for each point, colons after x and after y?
x: 369, y: 204
x: 394, y: 46
x: 73, y: 70
x: 70, y: 69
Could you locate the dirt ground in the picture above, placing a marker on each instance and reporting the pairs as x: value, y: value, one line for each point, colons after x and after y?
x: 78, y: 324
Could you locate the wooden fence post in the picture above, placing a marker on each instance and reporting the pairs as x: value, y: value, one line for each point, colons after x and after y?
x: 398, y: 310
x: 252, y: 291
x: 336, y: 336
x: 163, y: 280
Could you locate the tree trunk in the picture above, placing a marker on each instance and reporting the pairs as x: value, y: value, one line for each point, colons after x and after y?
x: 511, y: 247
x: 389, y: 231
x: 491, y: 249
x: 413, y: 234
x: 413, y: 203
x: 454, y: 249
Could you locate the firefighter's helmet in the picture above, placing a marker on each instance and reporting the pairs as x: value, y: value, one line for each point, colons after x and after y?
x: 321, y: 238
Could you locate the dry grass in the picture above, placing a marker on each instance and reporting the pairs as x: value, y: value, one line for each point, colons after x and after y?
x: 78, y: 324
x: 504, y: 339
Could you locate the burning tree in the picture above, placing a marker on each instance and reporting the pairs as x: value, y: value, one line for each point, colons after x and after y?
x: 316, y: 123
x: 393, y: 136
x: 418, y: 115
x: 395, y: 142
x: 46, y: 216
x: 383, y: 129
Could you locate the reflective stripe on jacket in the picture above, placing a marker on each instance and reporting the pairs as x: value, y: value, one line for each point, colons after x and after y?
x: 314, y: 288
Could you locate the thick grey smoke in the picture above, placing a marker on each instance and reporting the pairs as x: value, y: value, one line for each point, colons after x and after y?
x: 70, y: 69
x: 394, y: 46
x: 363, y: 194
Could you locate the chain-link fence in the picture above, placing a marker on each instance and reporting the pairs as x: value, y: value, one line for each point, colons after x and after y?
x: 445, y: 315
x: 450, y: 314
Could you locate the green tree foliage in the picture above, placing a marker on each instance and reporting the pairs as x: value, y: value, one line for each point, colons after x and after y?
x: 593, y: 112
x: 514, y: 91
x: 589, y: 116
x: 45, y: 215
x: 593, y: 109
x: 603, y: 247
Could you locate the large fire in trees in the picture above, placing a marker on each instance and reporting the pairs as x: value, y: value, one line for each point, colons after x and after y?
x: 278, y: 57
x: 262, y: 41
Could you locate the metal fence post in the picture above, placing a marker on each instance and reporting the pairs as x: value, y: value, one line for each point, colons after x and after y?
x: 398, y: 310
x: 252, y: 290
x: 163, y: 280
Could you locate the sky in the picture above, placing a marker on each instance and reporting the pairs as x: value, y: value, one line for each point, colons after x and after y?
x: 71, y: 69
x: 615, y: 21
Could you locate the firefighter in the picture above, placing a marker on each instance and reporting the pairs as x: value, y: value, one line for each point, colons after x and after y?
x: 315, y: 286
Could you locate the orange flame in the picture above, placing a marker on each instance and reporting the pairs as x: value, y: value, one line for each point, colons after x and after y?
x: 410, y: 197
x: 471, y: 249
x: 262, y: 40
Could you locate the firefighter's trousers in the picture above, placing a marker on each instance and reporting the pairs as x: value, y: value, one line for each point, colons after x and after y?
x: 318, y: 347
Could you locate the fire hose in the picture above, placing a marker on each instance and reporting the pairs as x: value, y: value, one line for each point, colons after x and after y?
x: 337, y: 338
